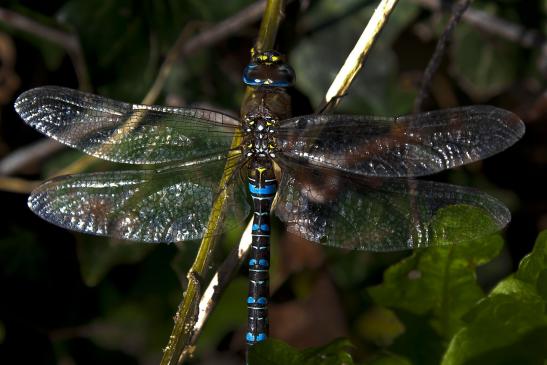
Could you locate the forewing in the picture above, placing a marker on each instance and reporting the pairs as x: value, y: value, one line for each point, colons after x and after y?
x: 148, y: 205
x: 122, y: 132
x: 383, y: 214
x: 413, y: 145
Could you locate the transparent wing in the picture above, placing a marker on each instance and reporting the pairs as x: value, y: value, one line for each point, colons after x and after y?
x: 166, y: 205
x: 123, y: 132
x: 382, y: 214
x: 413, y: 145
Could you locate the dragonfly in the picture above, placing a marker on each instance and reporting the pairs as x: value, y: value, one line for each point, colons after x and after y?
x: 346, y: 181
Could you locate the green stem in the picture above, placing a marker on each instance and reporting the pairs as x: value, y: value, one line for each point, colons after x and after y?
x: 179, y: 345
x: 270, y: 25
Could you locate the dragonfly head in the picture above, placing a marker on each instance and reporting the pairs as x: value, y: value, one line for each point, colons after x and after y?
x: 268, y: 69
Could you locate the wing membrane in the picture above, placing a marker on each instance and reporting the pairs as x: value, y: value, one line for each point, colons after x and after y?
x: 413, y: 145
x: 166, y: 205
x: 123, y: 132
x: 382, y: 214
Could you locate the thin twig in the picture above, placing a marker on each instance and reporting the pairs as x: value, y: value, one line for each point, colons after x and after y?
x: 180, y: 343
x: 438, y: 54
x: 202, y: 40
x: 16, y: 185
x: 68, y: 41
x: 220, y: 281
x: 266, y: 40
x: 490, y: 23
x: 184, y: 47
x: 29, y: 154
x: 357, y: 57
x: 181, y: 48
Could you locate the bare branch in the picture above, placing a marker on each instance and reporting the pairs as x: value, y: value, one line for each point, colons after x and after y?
x: 490, y: 23
x: 220, y: 280
x: 202, y: 40
x: 68, y: 41
x: 215, y: 34
x: 16, y: 185
x: 440, y: 49
x: 24, y: 156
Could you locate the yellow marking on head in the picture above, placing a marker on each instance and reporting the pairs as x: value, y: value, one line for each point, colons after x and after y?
x: 275, y: 58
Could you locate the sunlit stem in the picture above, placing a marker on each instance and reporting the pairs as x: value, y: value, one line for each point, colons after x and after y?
x: 357, y: 57
x: 179, y: 346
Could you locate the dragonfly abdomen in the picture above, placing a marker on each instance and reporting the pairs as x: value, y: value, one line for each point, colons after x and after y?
x: 262, y: 187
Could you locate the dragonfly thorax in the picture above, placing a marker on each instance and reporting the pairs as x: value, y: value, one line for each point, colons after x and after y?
x: 259, y: 131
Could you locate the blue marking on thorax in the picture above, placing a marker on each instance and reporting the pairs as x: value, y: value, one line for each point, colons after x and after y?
x: 255, y: 227
x: 264, y: 227
x: 252, y: 262
x: 250, y: 337
x: 268, y: 189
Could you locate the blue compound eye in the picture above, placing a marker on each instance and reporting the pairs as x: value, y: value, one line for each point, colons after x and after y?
x: 268, y: 69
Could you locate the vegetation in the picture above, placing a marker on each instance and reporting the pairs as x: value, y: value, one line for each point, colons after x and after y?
x: 74, y: 299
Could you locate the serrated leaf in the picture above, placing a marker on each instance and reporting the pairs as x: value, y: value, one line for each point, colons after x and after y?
x: 275, y: 352
x: 510, y: 325
x: 440, y: 282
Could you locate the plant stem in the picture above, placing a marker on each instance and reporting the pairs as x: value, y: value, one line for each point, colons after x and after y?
x: 357, y: 57
x: 180, y: 342
x: 270, y: 25
x: 435, y: 61
x: 67, y: 40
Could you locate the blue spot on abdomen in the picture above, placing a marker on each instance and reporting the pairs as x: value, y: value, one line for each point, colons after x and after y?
x: 266, y: 190
x: 260, y: 337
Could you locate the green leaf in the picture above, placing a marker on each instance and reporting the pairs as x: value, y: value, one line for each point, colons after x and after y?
x: 380, y: 326
x: 440, y: 282
x: 476, y: 62
x: 275, y: 352
x: 98, y: 255
x: 510, y: 325
x: 389, y: 359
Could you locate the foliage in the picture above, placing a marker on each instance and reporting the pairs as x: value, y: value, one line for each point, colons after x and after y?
x: 274, y: 352
x: 446, y: 318
x: 66, y: 298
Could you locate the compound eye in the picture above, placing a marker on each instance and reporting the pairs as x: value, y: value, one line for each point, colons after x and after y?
x: 268, y: 69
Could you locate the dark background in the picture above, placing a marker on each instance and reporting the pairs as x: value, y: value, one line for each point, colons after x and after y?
x: 67, y: 298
